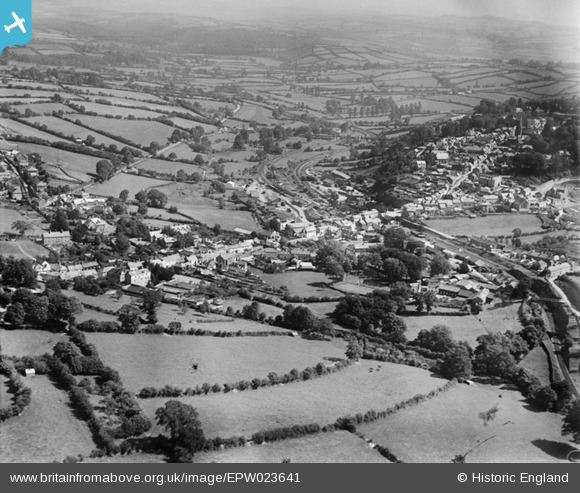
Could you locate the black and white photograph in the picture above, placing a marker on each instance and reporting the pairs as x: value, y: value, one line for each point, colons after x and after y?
x: 290, y: 231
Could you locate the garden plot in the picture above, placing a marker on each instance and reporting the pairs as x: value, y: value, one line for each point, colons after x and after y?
x: 158, y: 360
x: 323, y: 400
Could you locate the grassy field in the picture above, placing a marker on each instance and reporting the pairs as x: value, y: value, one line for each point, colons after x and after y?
x: 494, y: 225
x: 162, y: 166
x: 337, y: 447
x: 43, y: 108
x: 29, y: 342
x: 123, y: 181
x: 72, y: 130
x: 322, y: 400
x: 14, y: 127
x: 46, y: 430
x: 425, y: 433
x: 137, y: 131
x: 8, y: 216
x: 108, y: 109
x: 536, y: 362
x: 301, y: 283
x: 157, y: 360
x: 23, y: 249
x: 470, y: 327
x: 227, y: 219
x: 80, y: 163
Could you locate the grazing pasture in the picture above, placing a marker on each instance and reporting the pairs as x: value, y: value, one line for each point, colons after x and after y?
x: 29, y: 342
x: 108, y: 109
x: 69, y: 161
x: 323, y: 400
x: 492, y: 225
x: 72, y: 130
x: 157, y: 360
x: 14, y: 127
x: 332, y: 448
x: 46, y: 430
x: 43, y: 108
x: 138, y: 131
x: 163, y: 166
x: 427, y: 433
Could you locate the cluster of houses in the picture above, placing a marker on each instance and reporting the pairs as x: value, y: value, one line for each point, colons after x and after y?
x: 458, y: 175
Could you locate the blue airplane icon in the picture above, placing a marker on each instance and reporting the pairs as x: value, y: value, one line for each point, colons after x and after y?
x: 16, y: 17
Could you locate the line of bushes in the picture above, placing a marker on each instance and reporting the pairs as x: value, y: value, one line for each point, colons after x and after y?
x: 384, y: 451
x: 21, y: 394
x: 114, y: 327
x: 273, y: 379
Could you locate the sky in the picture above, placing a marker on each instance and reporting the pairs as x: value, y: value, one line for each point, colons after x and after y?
x: 558, y: 12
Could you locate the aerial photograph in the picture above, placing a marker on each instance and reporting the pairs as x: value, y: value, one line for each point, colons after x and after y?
x: 280, y: 231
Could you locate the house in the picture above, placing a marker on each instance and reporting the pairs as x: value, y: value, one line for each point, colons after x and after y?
x: 558, y: 270
x: 56, y: 239
x: 447, y: 290
x: 520, y: 204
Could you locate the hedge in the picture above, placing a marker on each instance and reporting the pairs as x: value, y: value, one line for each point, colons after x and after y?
x: 273, y: 379
x: 21, y: 393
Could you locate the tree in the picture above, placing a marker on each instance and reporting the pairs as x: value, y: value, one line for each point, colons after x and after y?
x: 128, y: 316
x: 15, y: 315
x: 393, y: 328
x: 437, y: 339
x: 239, y: 143
x: 156, y: 199
x: 394, y: 270
x: 18, y: 273
x: 21, y: 226
x: 122, y: 244
x: 142, y: 209
x: 463, y: 268
x: 354, y: 350
x: 395, y: 238
x: 141, y: 196
x: 456, y: 363
x: 124, y: 195
x: 182, y: 423
x: 105, y: 170
x: 439, y: 265
x: 150, y: 301
x: 59, y: 221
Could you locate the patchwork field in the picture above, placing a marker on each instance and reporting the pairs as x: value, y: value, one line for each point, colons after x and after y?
x: 337, y: 447
x: 470, y: 327
x: 425, y: 433
x: 493, y: 225
x: 158, y: 360
x: 322, y: 400
x: 29, y: 342
x: 46, y: 430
